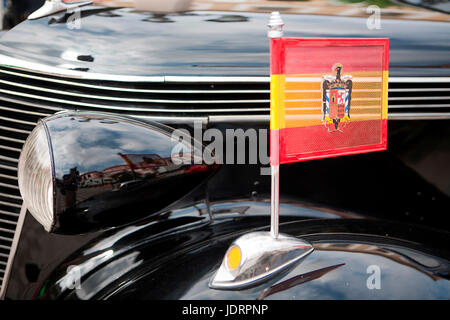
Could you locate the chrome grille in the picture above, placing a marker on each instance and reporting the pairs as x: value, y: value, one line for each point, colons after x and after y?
x: 418, y: 98
x: 182, y: 98
x: 27, y: 96
x: 50, y: 94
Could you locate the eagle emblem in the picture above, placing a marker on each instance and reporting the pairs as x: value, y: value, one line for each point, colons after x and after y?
x: 336, y: 99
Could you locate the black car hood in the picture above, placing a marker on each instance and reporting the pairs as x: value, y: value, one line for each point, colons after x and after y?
x: 126, y: 42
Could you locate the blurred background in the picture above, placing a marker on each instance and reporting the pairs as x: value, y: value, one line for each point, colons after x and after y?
x: 13, y: 12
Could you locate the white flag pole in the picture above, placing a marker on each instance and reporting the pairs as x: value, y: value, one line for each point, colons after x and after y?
x: 275, y: 31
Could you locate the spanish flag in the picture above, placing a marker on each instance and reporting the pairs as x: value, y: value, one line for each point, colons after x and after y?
x: 328, y: 97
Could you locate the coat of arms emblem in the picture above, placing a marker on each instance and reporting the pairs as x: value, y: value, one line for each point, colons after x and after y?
x: 336, y: 99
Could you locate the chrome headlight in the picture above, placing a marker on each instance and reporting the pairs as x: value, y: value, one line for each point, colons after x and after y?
x: 86, y: 171
x: 35, y: 173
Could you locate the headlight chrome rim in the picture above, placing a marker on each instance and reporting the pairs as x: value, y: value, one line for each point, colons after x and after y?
x: 36, y: 176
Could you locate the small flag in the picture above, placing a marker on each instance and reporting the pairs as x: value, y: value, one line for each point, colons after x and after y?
x: 328, y: 97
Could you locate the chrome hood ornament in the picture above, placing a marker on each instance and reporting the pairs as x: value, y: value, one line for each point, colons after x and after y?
x: 54, y: 6
x: 257, y: 256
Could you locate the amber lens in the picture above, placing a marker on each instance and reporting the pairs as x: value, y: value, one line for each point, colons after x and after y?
x: 234, y: 257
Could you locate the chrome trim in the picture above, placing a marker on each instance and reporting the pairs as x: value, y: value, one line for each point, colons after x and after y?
x: 415, y: 89
x: 11, y: 139
x: 10, y: 196
x: 405, y: 106
x: 10, y: 186
x: 17, y: 121
x: 12, y: 214
x: 8, y: 221
x: 239, y: 119
x: 111, y: 88
x: 9, y: 148
x: 33, y: 105
x: 7, y: 231
x: 6, y: 176
x: 420, y: 116
x: 23, y: 111
x: 419, y: 79
x: 14, y: 129
x: 97, y: 106
x: 22, y: 65
x: 68, y: 93
x: 8, y: 159
x: 109, y: 98
x: 12, y: 251
x: 10, y: 204
x: 419, y: 98
x: 2, y: 166
x: 19, y: 64
x: 225, y: 79
x: 173, y: 120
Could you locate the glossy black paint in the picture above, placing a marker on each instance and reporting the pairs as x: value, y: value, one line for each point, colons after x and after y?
x: 126, y: 42
x: 111, y: 170
x: 406, y: 185
x: 175, y: 257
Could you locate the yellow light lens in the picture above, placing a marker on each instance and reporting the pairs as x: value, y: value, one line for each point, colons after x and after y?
x: 234, y: 258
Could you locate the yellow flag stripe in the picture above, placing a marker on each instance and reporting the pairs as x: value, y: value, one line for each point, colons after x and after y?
x: 277, y: 89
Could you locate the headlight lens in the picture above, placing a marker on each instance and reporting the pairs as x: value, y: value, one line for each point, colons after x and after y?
x: 36, y: 177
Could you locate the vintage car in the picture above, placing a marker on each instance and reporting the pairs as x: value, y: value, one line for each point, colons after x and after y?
x: 115, y: 218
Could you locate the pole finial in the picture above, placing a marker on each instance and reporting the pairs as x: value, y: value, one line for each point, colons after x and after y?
x: 275, y: 25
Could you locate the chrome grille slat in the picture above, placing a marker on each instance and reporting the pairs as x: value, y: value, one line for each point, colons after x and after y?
x: 110, y: 98
x: 7, y: 222
x: 10, y: 196
x: 52, y: 90
x: 405, y: 106
x: 15, y: 130
x: 18, y: 121
x: 7, y: 231
x: 2, y: 166
x: 11, y: 139
x: 5, y: 239
x: 77, y: 84
x: 40, y: 114
x: 9, y: 159
x: 12, y: 214
x: 420, y: 90
x: 8, y: 186
x: 10, y: 204
x: 112, y: 107
x: 9, y: 148
x: 417, y: 98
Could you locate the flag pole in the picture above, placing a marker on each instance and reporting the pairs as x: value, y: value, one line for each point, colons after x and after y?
x: 275, y: 31
x: 275, y: 201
